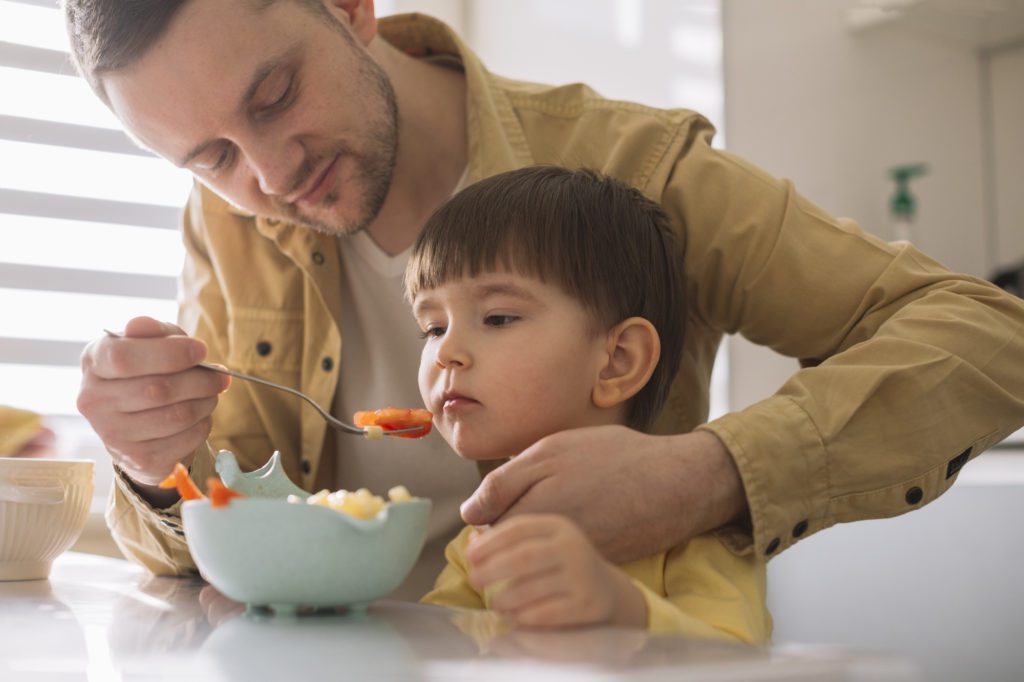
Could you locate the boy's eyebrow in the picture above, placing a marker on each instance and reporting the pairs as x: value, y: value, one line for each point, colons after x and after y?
x: 421, y: 305
x: 504, y: 289
x: 262, y: 72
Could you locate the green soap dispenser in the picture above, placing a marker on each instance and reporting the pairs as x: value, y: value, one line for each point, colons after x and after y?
x: 903, y: 204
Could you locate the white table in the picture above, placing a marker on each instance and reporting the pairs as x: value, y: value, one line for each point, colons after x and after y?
x: 104, y: 619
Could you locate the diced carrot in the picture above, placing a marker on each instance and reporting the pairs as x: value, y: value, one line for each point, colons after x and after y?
x: 180, y: 479
x: 220, y: 494
x: 395, y: 418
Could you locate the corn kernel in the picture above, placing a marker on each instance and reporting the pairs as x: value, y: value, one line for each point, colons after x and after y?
x: 399, y: 494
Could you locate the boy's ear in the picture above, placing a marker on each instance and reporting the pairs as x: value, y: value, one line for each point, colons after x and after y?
x: 633, y: 349
x: 360, y: 16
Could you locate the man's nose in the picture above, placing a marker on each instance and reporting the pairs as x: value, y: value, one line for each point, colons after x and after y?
x: 274, y: 166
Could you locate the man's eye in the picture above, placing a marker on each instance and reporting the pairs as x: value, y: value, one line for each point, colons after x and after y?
x: 225, y: 158
x: 433, y: 332
x: 282, y: 99
x: 500, y: 320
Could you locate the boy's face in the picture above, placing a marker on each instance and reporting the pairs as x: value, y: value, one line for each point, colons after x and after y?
x: 507, y: 360
x: 275, y: 110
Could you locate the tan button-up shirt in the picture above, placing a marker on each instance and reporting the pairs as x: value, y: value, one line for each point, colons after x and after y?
x: 909, y: 370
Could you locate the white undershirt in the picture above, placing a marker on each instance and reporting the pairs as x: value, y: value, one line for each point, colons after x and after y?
x: 379, y: 363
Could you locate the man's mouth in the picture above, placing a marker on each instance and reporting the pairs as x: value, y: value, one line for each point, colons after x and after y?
x: 321, y: 185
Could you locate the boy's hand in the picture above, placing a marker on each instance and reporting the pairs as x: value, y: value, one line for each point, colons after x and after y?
x: 548, y: 575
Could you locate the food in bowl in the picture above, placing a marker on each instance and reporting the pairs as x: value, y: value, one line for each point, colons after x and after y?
x: 220, y: 494
x: 361, y: 504
x: 181, y: 480
x: 44, y: 504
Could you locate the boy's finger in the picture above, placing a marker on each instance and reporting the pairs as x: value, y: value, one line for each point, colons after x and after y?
x: 526, y: 592
x: 501, y: 537
x: 530, y: 557
x: 556, y: 611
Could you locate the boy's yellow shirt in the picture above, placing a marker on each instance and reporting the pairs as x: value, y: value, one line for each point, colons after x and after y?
x: 700, y: 589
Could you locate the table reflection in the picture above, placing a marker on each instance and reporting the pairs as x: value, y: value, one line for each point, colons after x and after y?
x: 98, y: 618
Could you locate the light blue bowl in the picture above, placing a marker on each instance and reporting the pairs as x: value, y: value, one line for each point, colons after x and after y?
x: 266, y: 551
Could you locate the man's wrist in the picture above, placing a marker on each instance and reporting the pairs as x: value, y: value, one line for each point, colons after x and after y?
x: 153, y: 495
x: 731, y: 505
x: 715, y: 497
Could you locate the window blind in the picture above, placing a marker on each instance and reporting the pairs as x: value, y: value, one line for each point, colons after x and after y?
x: 88, y: 220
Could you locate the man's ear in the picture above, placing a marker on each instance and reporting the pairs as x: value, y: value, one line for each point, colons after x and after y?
x: 359, y: 15
x: 633, y: 349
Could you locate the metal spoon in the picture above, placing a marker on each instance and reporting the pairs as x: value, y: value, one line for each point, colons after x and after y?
x: 369, y: 431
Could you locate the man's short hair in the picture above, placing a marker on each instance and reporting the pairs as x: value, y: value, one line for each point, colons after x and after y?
x: 107, y: 35
x: 602, y: 242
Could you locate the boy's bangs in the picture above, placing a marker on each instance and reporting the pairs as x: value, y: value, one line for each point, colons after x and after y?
x: 468, y: 242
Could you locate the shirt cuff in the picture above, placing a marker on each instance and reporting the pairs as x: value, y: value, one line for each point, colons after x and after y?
x: 167, y: 519
x: 783, y: 465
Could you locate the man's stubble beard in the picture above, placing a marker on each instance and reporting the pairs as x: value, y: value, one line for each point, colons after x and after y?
x: 376, y: 165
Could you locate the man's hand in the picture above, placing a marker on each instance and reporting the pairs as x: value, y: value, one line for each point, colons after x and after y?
x: 147, y: 400
x: 547, y: 574
x: 633, y: 494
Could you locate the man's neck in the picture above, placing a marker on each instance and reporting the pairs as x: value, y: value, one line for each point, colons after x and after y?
x: 432, y: 145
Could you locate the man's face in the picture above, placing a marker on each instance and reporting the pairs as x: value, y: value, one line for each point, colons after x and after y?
x: 507, y: 360
x: 276, y: 110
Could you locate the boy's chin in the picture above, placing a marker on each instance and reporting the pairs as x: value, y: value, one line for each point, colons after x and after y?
x: 478, y: 448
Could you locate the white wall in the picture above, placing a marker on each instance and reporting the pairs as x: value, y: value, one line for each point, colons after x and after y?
x: 1006, y: 78
x: 941, y: 585
x: 810, y: 100
x: 663, y: 53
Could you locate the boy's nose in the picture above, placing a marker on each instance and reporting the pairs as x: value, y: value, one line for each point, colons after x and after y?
x: 452, y: 352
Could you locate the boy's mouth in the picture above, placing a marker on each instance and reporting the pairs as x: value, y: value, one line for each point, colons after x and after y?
x: 452, y: 401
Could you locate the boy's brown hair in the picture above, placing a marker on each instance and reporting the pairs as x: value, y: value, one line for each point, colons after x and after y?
x: 602, y: 242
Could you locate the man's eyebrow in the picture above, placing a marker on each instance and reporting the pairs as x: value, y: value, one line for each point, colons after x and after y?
x: 262, y: 72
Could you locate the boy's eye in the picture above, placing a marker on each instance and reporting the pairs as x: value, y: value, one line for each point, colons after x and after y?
x: 500, y: 320
x: 432, y: 332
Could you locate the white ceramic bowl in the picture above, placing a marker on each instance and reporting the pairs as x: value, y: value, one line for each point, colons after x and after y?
x: 43, y: 507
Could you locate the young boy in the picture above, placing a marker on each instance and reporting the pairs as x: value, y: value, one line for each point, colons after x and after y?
x: 551, y: 299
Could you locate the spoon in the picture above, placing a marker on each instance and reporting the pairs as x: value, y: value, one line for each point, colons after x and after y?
x: 372, y: 432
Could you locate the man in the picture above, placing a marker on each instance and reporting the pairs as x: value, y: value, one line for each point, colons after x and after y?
x: 333, y: 143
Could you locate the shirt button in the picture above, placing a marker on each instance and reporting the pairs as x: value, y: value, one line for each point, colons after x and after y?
x: 327, y: 363
x: 772, y: 546
x: 264, y: 348
x: 799, y: 529
x: 914, y: 495
x: 306, y: 467
x: 318, y: 258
